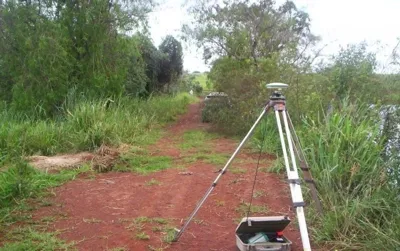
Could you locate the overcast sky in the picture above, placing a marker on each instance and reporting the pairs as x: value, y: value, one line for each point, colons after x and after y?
x: 337, y: 22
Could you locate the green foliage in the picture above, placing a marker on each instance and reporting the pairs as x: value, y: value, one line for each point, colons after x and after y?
x: 352, y: 72
x: 344, y: 152
x: 142, y: 236
x: 52, y: 50
x: 247, y: 30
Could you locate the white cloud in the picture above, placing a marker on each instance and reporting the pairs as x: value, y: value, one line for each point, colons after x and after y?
x: 338, y: 22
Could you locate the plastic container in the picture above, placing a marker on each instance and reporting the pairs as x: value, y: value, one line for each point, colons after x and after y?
x: 260, y: 237
x: 267, y: 225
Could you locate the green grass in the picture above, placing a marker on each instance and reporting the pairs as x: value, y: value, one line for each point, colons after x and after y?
x: 142, y: 236
x: 277, y: 166
x: 20, y: 181
x: 361, y: 209
x: 211, y: 158
x: 195, y: 140
x: 152, y: 182
x: 143, y: 164
x: 237, y: 170
x: 29, y: 239
x: 157, y: 224
x: 258, y: 194
x: 169, y: 234
x: 254, y: 209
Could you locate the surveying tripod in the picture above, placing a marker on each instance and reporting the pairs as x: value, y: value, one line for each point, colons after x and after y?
x: 278, y: 103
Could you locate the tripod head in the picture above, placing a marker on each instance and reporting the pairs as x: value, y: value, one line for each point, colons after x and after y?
x: 277, y: 95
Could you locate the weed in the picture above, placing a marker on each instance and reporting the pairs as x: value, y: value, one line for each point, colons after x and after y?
x: 157, y: 228
x: 258, y: 194
x: 238, y: 170
x: 193, y: 139
x: 142, y: 219
x: 92, y: 220
x: 196, y: 140
x: 169, y: 235
x: 211, y: 158
x: 143, y: 163
x: 220, y: 203
x: 151, y: 248
x: 160, y: 221
x: 29, y: 239
x: 142, y: 236
x: 45, y: 203
x: 48, y: 219
x: 243, y: 208
x: 277, y: 166
x: 118, y: 249
x: 237, y: 180
x: 152, y: 182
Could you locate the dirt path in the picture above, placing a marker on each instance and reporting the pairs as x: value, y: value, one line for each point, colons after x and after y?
x: 112, y: 211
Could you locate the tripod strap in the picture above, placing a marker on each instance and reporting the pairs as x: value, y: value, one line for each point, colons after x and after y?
x: 255, y: 176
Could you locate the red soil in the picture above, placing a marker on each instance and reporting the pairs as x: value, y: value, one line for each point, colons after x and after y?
x: 97, y: 213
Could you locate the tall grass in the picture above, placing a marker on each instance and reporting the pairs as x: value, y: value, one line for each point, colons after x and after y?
x: 88, y: 125
x: 361, y: 207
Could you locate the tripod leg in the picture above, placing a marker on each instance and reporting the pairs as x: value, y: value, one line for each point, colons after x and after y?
x: 214, y: 184
x: 295, y: 186
x: 293, y: 178
x: 304, y: 166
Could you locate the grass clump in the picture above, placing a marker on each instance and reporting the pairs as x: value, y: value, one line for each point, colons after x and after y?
x: 142, y: 236
x: 210, y: 158
x: 237, y: 170
x: 152, y: 182
x: 20, y: 181
x: 169, y: 234
x: 143, y: 164
x: 243, y: 208
x: 30, y: 239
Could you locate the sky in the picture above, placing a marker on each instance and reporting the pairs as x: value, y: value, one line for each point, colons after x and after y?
x: 337, y: 22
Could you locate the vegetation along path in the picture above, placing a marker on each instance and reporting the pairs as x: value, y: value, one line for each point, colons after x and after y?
x: 138, y: 210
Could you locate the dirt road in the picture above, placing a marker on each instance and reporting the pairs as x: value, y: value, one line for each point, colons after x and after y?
x: 128, y: 211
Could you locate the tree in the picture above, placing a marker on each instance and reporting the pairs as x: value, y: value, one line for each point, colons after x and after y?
x: 172, y: 62
x: 352, y: 71
x: 242, y: 29
x: 49, y: 47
